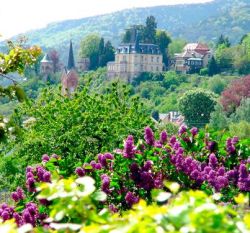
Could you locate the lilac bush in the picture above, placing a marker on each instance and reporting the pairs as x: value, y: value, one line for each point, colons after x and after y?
x: 138, y: 169
x: 194, y: 159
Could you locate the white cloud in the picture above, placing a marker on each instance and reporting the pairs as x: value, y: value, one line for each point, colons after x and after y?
x: 17, y: 16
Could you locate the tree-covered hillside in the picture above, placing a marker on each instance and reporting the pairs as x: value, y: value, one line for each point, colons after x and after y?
x: 192, y: 22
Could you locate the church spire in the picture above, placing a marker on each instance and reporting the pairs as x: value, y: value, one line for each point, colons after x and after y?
x: 71, y: 61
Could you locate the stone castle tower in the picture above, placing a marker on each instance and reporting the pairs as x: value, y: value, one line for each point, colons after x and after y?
x: 46, y: 67
x: 69, y: 77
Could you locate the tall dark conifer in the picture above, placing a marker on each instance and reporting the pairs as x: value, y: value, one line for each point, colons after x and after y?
x: 150, y: 30
x: 212, y: 67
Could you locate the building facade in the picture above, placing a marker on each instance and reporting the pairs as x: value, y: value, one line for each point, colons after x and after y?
x: 194, y: 57
x: 132, y: 59
x: 83, y: 64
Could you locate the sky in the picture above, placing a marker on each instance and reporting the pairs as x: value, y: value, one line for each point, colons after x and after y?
x: 19, y: 16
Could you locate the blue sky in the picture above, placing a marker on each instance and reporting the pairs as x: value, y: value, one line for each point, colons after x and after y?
x: 18, y: 16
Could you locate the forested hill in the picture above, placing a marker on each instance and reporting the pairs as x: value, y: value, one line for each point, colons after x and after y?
x: 191, y: 22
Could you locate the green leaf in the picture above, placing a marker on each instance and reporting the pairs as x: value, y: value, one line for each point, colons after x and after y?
x: 99, y: 196
x: 160, y: 196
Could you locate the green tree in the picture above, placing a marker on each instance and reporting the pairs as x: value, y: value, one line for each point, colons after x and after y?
x: 224, y: 57
x: 126, y: 38
x: 89, y: 47
x: 196, y: 106
x: 216, y: 84
x: 242, y: 64
x: 163, y: 40
x: 223, y: 41
x: 204, y: 71
x: 129, y: 35
x: 101, y: 59
x: 99, y: 52
x: 242, y: 113
x: 108, y: 54
x: 212, y: 67
x: 242, y: 56
x: 218, y: 119
x: 101, y: 46
x: 172, y: 78
x: 17, y: 59
x: 150, y: 30
x: 176, y: 46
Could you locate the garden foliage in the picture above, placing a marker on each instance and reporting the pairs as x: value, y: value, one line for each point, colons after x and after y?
x: 77, y: 128
x: 148, y: 169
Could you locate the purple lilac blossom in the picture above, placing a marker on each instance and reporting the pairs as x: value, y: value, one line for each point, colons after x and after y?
x: 163, y: 137
x: 194, y: 131
x: 131, y: 199
x: 213, y: 162
x: 129, y: 148
x: 182, y: 130
x: 45, y: 158
x: 149, y: 136
x: 80, y: 171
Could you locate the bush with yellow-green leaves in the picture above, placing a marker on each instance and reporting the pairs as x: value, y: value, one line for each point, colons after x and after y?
x: 74, y: 208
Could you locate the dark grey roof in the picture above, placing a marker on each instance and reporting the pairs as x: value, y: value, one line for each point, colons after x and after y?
x: 71, y: 61
x: 138, y: 48
x: 194, y: 59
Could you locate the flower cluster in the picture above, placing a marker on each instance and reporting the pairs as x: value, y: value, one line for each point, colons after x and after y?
x: 104, y: 161
x: 231, y: 144
x: 144, y: 177
x: 129, y: 148
x: 18, y: 195
x: 37, y: 174
x: 244, y: 178
x: 131, y: 199
x: 149, y: 136
x: 29, y: 215
x: 105, y: 183
x: 182, y: 130
x: 211, y: 146
x: 213, y: 173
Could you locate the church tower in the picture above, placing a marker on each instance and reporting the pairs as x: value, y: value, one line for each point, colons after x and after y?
x: 69, y: 77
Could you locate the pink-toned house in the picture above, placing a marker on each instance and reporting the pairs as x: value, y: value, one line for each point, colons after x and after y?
x: 69, y: 77
x: 194, y: 57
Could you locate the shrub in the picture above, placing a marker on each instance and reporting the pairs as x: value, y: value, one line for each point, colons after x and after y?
x: 196, y: 106
x: 232, y: 96
x: 77, y: 128
x: 218, y: 119
x: 196, y: 212
x: 242, y: 129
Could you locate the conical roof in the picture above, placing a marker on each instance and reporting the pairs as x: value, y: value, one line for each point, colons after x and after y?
x: 71, y: 61
x: 46, y: 58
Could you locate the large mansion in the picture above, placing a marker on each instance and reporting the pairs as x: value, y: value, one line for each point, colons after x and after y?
x: 194, y: 57
x: 131, y: 59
